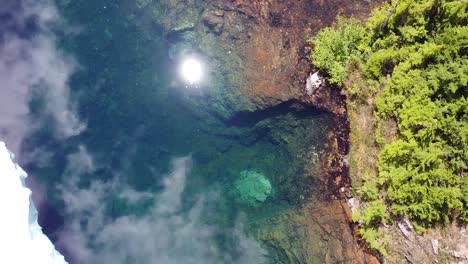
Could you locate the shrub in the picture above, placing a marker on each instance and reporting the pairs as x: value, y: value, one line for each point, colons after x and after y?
x: 374, y: 239
x: 374, y: 213
x: 335, y: 47
x: 421, y: 49
x: 417, y: 52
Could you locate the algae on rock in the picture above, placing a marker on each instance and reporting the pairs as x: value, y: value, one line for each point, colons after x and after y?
x: 252, y: 188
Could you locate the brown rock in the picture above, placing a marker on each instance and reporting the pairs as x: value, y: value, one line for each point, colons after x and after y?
x: 214, y: 21
x: 274, y: 54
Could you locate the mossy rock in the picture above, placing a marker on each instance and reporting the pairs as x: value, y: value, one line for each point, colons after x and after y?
x: 252, y: 188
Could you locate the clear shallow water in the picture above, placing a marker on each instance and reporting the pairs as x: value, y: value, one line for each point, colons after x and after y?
x: 150, y: 179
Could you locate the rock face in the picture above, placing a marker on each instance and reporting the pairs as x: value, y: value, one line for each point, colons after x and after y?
x: 256, y: 51
x: 265, y: 44
x: 214, y: 21
x: 317, y: 233
x: 440, y: 245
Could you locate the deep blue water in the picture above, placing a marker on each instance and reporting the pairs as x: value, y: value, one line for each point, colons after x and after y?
x: 149, y: 179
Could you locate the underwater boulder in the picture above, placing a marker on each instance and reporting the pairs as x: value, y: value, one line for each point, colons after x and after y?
x: 252, y: 188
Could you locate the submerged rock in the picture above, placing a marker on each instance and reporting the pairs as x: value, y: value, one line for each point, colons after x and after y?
x: 215, y: 22
x: 252, y: 188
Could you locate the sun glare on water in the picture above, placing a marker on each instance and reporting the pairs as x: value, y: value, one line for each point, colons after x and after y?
x: 191, y: 71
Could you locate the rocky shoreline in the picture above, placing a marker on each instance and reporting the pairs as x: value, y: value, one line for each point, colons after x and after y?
x: 258, y: 60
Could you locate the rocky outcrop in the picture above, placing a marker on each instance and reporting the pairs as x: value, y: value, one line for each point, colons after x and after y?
x: 214, y: 21
x: 256, y: 51
x: 316, y: 233
x: 265, y: 44
x: 440, y: 245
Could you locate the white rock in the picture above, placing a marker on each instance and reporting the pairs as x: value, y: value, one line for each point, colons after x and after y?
x: 313, y: 83
x: 405, y: 232
x: 408, y: 224
x: 435, y: 246
x: 353, y: 204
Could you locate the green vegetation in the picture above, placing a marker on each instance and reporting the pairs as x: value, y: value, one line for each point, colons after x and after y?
x: 373, y: 215
x: 335, y: 47
x: 418, y: 53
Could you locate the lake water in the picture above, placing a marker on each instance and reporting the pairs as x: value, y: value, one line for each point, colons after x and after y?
x: 139, y: 173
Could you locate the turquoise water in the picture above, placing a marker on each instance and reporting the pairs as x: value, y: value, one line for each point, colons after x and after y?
x: 152, y: 178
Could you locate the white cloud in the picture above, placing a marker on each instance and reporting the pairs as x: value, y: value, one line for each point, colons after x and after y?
x: 79, y: 162
x: 166, y: 234
x: 31, y: 63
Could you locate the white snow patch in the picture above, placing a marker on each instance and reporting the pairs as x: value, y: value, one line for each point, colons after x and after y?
x: 21, y: 239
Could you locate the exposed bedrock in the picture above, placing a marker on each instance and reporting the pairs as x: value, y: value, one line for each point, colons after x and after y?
x: 256, y: 51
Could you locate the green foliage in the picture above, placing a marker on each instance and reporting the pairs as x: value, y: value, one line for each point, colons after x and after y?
x: 368, y: 190
x: 427, y: 97
x: 464, y: 212
x: 418, y: 52
x: 373, y: 214
x: 374, y: 239
x: 335, y: 47
x: 421, y: 46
